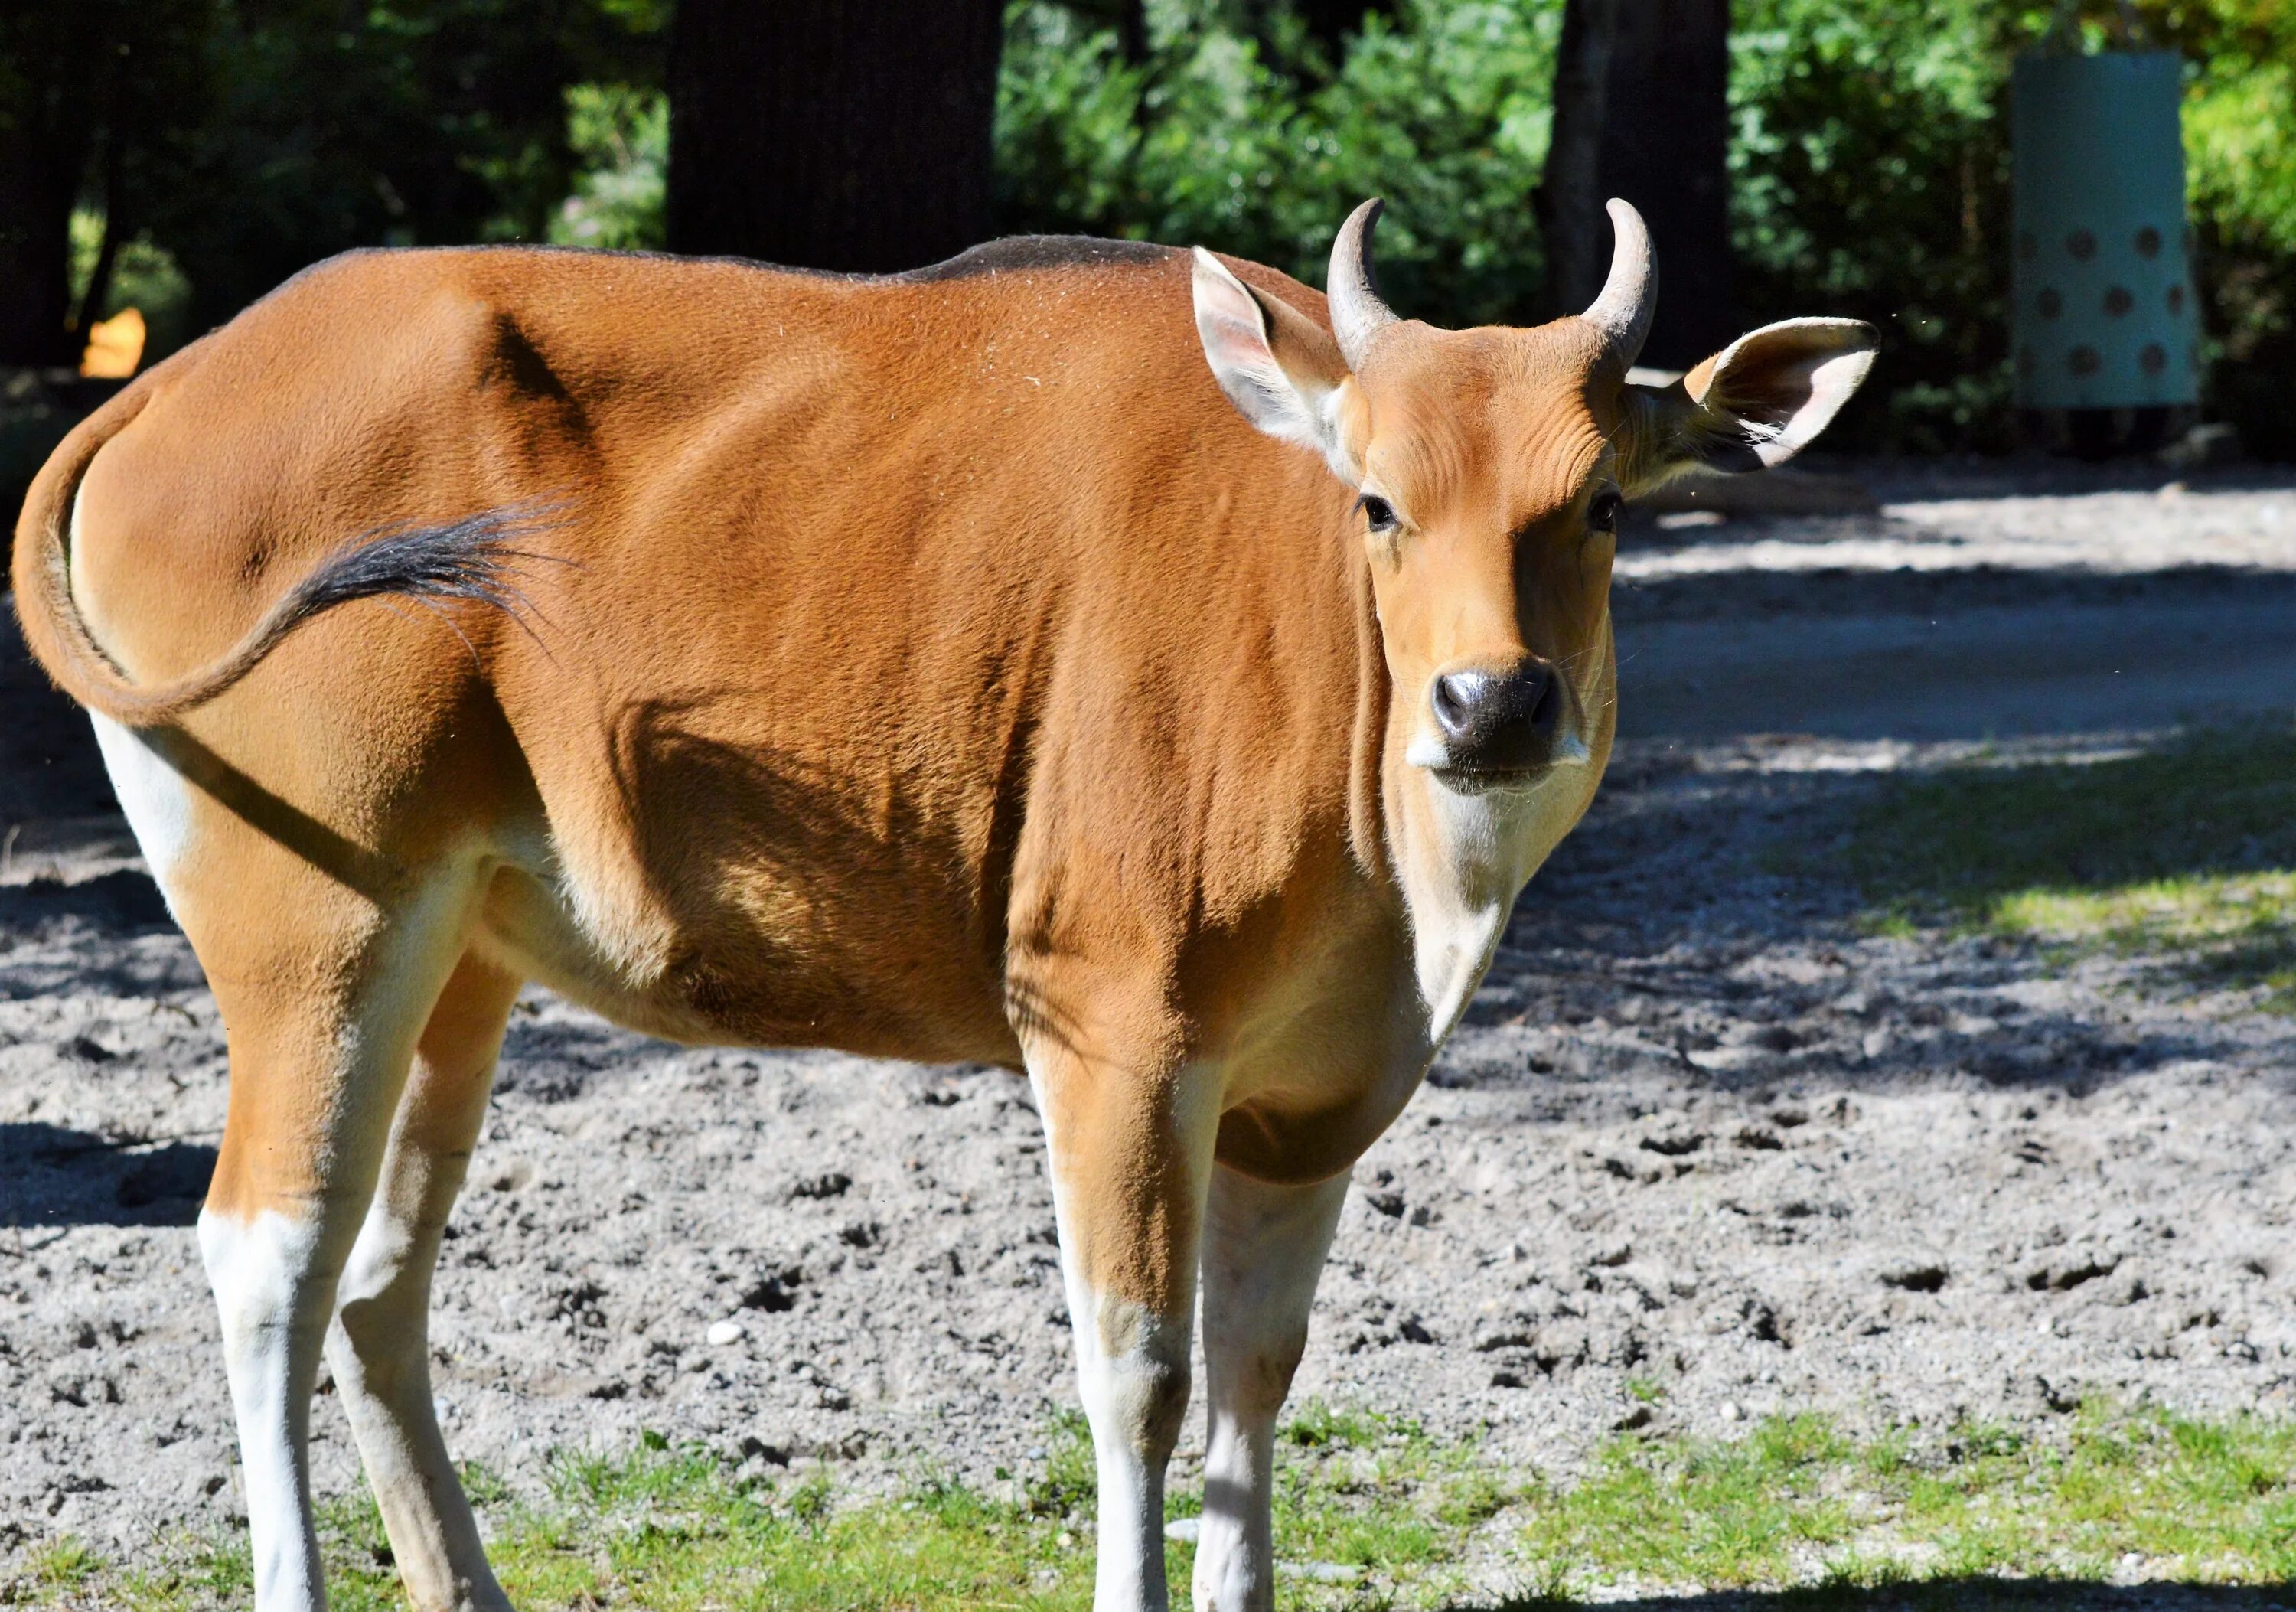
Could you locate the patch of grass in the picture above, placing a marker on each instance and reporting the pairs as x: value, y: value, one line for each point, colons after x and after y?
x: 1386, y: 1517
x: 1795, y: 1502
x: 2185, y: 855
x: 1067, y: 1482
x: 1718, y: 1515
x: 64, y: 1564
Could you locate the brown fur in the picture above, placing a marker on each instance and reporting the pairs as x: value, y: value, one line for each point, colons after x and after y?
x: 942, y: 666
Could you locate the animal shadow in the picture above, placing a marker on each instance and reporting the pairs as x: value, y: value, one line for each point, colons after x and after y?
x: 50, y: 1175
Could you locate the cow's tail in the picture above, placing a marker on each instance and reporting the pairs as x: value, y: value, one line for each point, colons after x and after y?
x: 465, y: 559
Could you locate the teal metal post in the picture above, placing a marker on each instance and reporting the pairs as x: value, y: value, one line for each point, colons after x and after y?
x: 2104, y: 317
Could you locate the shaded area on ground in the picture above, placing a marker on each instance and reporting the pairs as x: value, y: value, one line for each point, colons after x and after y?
x: 49, y: 767
x: 50, y: 1175
x: 1976, y: 604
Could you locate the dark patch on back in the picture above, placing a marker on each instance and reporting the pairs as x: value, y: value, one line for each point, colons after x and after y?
x: 1014, y: 253
x: 519, y: 364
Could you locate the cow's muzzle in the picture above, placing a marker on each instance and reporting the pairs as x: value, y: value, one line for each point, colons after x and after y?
x: 1506, y: 726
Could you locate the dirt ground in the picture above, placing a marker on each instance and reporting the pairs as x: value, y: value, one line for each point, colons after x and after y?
x: 1700, y: 1131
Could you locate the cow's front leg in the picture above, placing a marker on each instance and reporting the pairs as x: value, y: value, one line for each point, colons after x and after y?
x: 1131, y: 1156
x: 1264, y: 1248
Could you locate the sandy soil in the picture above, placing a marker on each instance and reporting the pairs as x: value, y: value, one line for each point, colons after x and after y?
x: 1698, y: 1130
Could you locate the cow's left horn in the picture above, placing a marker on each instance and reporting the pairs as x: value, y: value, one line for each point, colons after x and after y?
x: 1622, y: 313
x: 1357, y: 314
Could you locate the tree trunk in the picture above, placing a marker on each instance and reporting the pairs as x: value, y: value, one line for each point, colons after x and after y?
x: 1570, y: 196
x: 1662, y: 118
x: 1666, y: 148
x: 43, y: 150
x: 849, y: 134
x: 1128, y: 18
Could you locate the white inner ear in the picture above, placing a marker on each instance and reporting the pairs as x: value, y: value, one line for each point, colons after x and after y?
x: 1299, y: 409
x: 1784, y: 383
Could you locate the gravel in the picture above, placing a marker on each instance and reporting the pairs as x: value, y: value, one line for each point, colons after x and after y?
x: 1700, y: 1130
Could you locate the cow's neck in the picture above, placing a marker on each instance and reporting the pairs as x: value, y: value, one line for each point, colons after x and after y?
x: 1460, y: 860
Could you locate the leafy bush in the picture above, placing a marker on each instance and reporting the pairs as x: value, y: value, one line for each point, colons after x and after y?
x: 2239, y: 153
x: 1869, y: 165
x: 620, y: 134
x: 1444, y: 111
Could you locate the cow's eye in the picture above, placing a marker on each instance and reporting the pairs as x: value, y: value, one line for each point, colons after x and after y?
x: 1602, y: 513
x: 1377, y: 511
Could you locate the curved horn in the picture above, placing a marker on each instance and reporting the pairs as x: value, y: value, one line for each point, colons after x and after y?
x: 1622, y: 313
x: 1357, y: 314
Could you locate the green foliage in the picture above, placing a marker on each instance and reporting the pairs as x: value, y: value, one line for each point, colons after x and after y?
x: 145, y: 277
x: 1443, y: 111
x: 1868, y: 163
x: 428, y: 121
x: 2185, y: 855
x: 619, y: 134
x: 1869, y: 176
x: 2240, y: 152
x: 1869, y: 169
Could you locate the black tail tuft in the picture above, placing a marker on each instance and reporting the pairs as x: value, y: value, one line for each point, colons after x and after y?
x: 472, y: 559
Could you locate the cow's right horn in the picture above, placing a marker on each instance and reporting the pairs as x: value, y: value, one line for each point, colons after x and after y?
x: 1357, y: 314
x: 1622, y: 313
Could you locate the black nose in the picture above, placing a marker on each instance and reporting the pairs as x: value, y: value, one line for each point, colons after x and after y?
x: 1498, y: 721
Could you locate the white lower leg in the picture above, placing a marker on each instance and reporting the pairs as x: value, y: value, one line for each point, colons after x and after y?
x: 379, y: 1351
x: 273, y: 1288
x: 1235, y: 1548
x: 1132, y: 1369
x: 1264, y: 1250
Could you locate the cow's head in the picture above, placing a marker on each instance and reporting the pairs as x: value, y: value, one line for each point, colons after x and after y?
x: 1491, y: 466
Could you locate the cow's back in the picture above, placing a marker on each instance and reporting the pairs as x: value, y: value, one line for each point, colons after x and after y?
x: 852, y: 598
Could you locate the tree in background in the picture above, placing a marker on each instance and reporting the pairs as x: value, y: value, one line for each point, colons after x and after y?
x: 431, y: 121
x: 1642, y: 110
x: 1867, y: 151
x: 850, y: 135
x: 88, y: 92
x: 46, y: 136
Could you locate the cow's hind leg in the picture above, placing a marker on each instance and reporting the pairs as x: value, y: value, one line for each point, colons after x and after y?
x: 379, y: 1347
x: 324, y: 993
x: 1264, y: 1248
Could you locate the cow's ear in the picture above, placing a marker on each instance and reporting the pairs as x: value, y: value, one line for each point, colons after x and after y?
x: 1281, y: 369
x: 1754, y: 405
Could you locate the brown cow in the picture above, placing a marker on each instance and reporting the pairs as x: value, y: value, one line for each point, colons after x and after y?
x: 931, y: 666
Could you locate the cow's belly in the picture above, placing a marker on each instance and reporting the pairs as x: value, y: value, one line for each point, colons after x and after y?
x: 752, y: 968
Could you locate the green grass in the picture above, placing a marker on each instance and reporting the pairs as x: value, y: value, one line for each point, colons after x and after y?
x: 1794, y: 1506
x: 2184, y: 857
x: 1796, y: 1501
